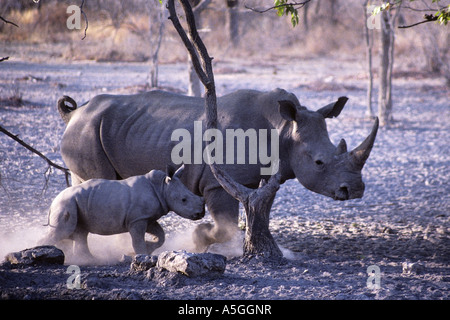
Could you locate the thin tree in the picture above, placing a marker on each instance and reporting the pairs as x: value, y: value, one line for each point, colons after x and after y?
x: 387, y: 40
x: 155, y: 42
x: 257, y: 202
x: 368, y: 35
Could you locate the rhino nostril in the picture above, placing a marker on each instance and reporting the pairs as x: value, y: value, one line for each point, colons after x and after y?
x: 343, y: 193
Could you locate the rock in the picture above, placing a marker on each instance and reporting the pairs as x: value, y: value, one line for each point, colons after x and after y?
x: 412, y: 268
x: 143, y: 262
x: 41, y: 255
x: 192, y: 264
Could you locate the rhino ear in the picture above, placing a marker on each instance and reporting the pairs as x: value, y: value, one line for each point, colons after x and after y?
x: 287, y: 110
x: 333, y: 109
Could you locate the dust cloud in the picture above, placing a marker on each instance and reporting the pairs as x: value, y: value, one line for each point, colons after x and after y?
x: 110, y: 249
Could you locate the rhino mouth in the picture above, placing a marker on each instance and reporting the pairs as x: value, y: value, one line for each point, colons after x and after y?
x: 199, y: 215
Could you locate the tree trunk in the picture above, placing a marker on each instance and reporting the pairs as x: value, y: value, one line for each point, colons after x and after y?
x: 384, y: 107
x: 258, y: 239
x: 369, y: 44
x: 194, y: 86
x: 233, y: 22
x: 333, y: 7
x: 387, y: 38
x: 305, y: 17
x: 155, y: 43
x: 257, y: 204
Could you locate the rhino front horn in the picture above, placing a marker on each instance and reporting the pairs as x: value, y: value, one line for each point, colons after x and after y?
x: 360, y: 154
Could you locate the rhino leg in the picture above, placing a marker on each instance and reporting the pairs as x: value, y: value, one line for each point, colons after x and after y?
x: 80, y: 247
x: 137, y: 232
x: 85, y: 157
x: 76, y: 180
x: 155, y: 229
x: 224, y: 210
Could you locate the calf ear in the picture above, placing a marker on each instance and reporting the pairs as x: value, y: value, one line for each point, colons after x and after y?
x: 287, y: 110
x: 333, y: 109
x: 170, y: 170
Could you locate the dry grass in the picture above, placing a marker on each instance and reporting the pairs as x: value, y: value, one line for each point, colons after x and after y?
x: 116, y: 34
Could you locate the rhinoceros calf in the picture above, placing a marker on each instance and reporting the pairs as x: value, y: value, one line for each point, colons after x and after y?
x: 109, y: 207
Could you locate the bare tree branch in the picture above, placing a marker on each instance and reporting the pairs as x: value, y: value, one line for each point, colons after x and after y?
x: 201, y: 6
x: 85, y: 19
x: 187, y: 42
x: 27, y: 146
x: 428, y: 17
x: 4, y: 59
x: 6, y: 21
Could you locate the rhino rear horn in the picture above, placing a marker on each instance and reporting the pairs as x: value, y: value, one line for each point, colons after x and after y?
x: 341, y: 147
x: 360, y: 154
x: 333, y: 109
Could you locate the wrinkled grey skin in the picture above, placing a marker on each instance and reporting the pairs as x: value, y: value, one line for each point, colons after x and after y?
x: 117, y: 136
x: 108, y: 207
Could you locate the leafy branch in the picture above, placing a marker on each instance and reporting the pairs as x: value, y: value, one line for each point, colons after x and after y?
x: 442, y: 15
x: 284, y: 7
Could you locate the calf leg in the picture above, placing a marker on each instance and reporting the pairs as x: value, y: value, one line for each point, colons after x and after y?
x: 49, y: 239
x: 155, y: 229
x: 137, y: 232
x: 80, y: 247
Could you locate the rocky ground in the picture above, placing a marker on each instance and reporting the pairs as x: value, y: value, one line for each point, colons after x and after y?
x: 401, y: 225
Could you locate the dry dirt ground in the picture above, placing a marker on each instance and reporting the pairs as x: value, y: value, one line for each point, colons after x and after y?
x: 401, y: 225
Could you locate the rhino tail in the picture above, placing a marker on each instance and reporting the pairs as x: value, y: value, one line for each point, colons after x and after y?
x: 65, y: 110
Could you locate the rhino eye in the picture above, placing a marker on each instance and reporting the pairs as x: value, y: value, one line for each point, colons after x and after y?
x: 183, y: 200
x: 319, y: 162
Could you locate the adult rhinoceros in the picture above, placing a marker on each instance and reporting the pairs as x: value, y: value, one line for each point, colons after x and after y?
x: 118, y: 136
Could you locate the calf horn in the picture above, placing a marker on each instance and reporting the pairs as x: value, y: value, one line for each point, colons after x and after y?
x: 360, y: 154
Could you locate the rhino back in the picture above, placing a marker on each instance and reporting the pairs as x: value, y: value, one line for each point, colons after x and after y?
x: 110, y: 206
x: 134, y: 131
